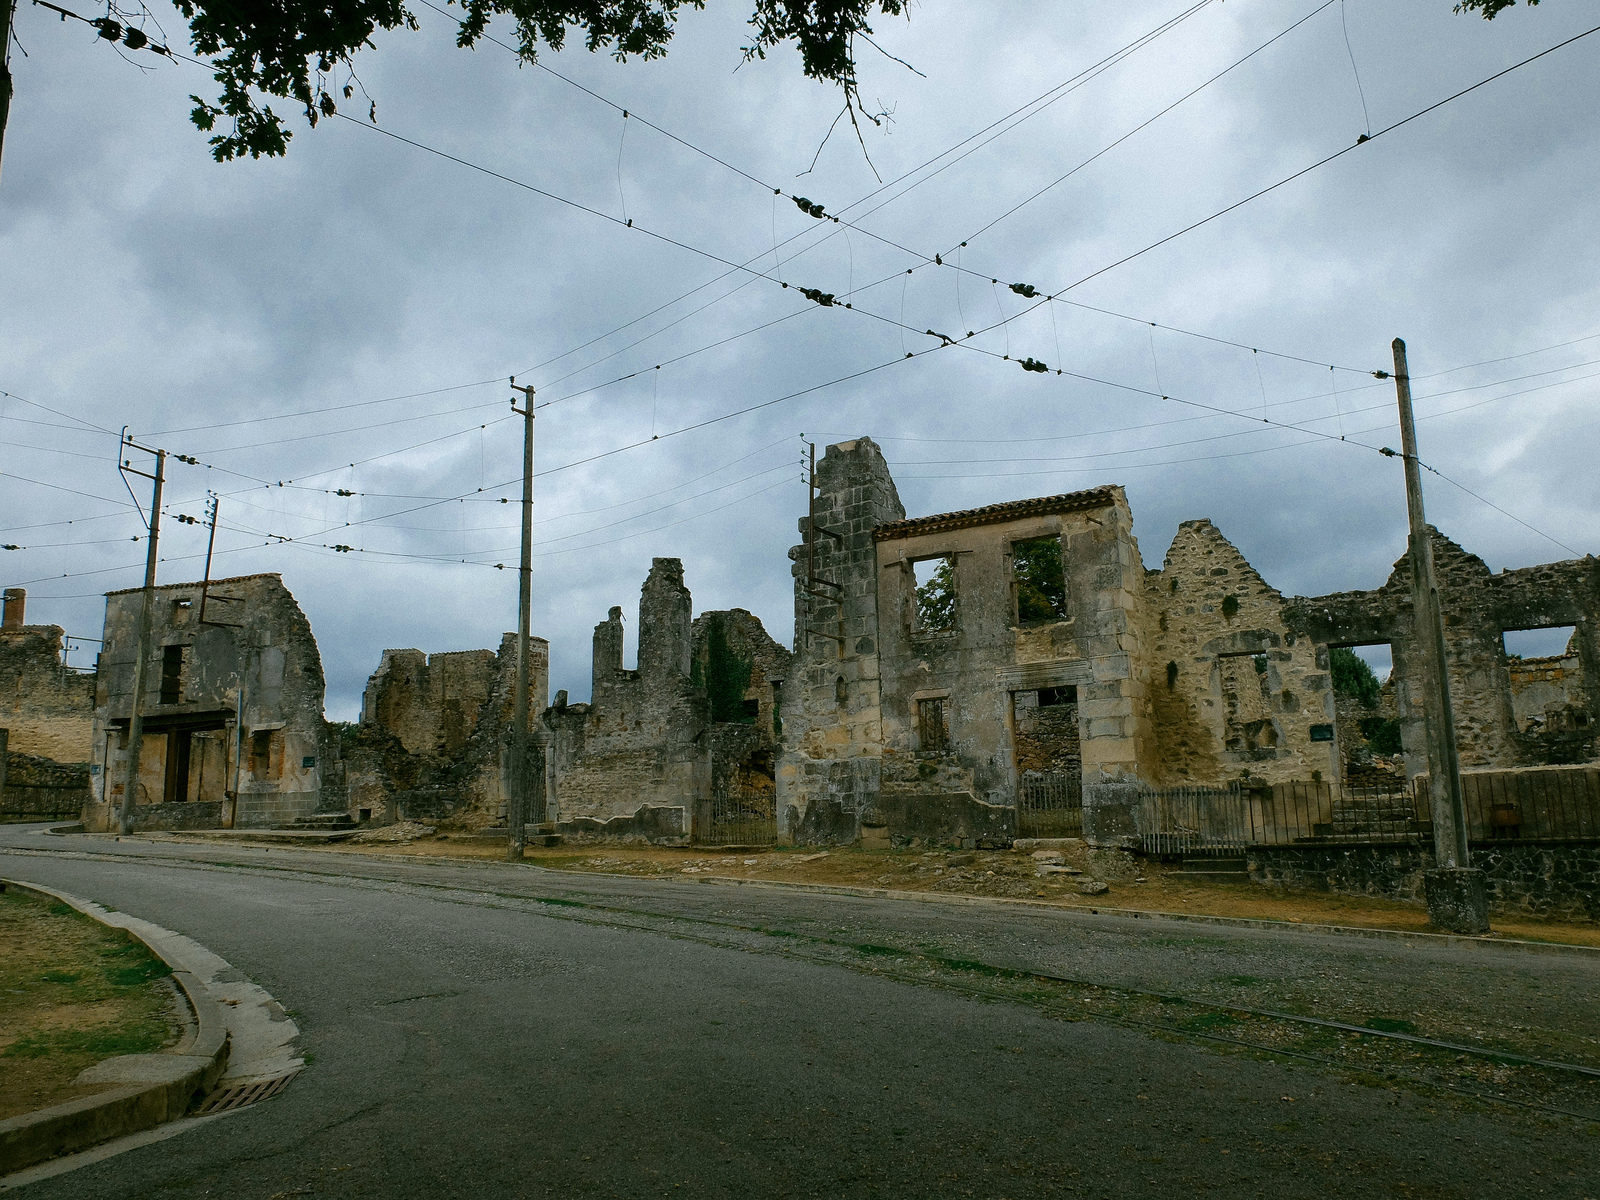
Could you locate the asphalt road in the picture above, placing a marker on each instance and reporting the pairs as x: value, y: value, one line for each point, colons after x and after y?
x: 489, y: 1030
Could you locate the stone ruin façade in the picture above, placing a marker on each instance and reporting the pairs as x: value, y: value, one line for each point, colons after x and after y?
x: 942, y: 668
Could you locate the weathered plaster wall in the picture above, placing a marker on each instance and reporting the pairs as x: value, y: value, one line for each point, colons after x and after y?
x: 254, y: 653
x: 1549, y: 695
x: 1235, y: 690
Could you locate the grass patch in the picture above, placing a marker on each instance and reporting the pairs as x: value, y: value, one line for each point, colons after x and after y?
x: 72, y: 992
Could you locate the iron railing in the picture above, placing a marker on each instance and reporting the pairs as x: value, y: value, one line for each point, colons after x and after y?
x: 1050, y: 804
x: 1556, y: 803
x: 1224, y: 821
x: 741, y: 817
x: 42, y: 802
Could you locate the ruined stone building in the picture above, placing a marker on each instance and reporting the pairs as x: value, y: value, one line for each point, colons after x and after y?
x: 433, y: 741
x: 47, y: 706
x: 695, y: 721
x: 233, y: 725
x: 1004, y: 671
x: 648, y: 756
x: 47, y: 715
x: 950, y: 669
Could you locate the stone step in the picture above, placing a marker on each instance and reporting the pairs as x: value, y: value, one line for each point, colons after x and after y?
x: 336, y: 820
x: 1216, y: 870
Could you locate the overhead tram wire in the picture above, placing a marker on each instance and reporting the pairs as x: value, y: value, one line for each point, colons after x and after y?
x: 1016, y: 116
x: 1084, y: 76
x: 1322, y: 162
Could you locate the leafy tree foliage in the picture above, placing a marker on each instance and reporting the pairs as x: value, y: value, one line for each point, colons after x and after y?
x: 727, y: 675
x: 1489, y: 8
x: 936, y: 599
x: 1041, y: 580
x: 1352, y: 676
x: 293, y: 48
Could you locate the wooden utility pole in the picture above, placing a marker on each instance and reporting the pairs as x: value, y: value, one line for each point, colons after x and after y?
x: 517, y: 809
x: 130, y: 791
x: 1456, y: 898
x: 7, y: 12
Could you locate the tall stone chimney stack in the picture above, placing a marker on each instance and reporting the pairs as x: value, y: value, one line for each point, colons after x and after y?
x: 16, y: 600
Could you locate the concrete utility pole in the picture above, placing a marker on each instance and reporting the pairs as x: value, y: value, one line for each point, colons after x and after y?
x: 1457, y: 900
x: 517, y: 810
x: 130, y: 791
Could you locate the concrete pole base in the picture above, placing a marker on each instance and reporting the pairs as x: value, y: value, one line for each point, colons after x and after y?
x: 1458, y: 900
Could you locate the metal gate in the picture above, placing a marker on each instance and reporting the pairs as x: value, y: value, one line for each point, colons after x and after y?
x: 742, y: 817
x: 1050, y: 804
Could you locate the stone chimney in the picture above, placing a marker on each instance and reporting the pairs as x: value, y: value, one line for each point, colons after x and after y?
x: 666, y: 639
x: 16, y: 599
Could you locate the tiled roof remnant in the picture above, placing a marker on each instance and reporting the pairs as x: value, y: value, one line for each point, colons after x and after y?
x: 1099, y: 497
x: 200, y: 582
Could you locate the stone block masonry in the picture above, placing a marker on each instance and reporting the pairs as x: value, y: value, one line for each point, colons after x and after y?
x: 47, y: 705
x: 1559, y: 880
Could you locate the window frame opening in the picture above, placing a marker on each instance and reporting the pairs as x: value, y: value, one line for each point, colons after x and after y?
x: 927, y: 606
x: 933, y: 723
x: 174, y: 658
x: 1038, y: 589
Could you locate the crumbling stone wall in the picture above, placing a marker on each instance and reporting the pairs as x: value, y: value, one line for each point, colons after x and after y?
x: 1478, y: 608
x: 642, y: 738
x: 38, y: 788
x: 47, y: 705
x: 232, y: 707
x: 828, y: 774
x: 1236, y: 692
x: 1548, y: 696
x: 434, y: 738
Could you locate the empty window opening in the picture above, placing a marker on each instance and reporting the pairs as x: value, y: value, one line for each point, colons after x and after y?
x: 261, y: 753
x: 1548, y: 697
x: 172, y: 674
x: 841, y: 692
x: 1367, y: 715
x: 1555, y: 642
x: 1250, y: 707
x: 936, y: 594
x: 1040, y: 578
x: 1045, y: 733
x: 933, y: 732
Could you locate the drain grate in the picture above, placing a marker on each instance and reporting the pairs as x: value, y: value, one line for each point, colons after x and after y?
x: 229, y: 1098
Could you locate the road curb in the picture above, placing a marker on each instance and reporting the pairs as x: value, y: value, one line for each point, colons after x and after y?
x: 173, y: 1077
x: 1511, y: 945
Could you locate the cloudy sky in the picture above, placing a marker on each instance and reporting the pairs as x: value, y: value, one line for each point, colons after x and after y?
x: 346, y: 318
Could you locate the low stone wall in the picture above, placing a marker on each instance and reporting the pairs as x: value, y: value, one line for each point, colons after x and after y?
x: 657, y: 826
x: 40, y: 789
x: 153, y: 818
x: 946, y: 818
x: 1536, y: 878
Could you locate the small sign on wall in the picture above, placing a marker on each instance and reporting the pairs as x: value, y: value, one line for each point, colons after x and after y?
x: 1322, y: 733
x: 310, y: 760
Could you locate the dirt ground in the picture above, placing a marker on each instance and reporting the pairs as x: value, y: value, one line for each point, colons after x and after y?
x: 72, y: 993
x: 1131, y: 882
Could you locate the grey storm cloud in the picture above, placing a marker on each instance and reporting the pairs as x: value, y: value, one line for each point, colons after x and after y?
x: 249, y: 314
